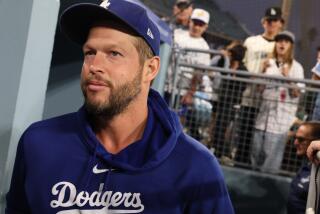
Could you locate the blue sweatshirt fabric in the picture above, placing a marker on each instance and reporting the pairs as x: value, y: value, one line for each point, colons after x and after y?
x: 298, y: 196
x: 62, y: 168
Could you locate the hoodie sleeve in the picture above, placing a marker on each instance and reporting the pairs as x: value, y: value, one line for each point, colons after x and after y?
x: 211, y: 196
x: 16, y: 198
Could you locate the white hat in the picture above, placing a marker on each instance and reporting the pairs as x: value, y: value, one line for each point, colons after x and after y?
x: 200, y: 14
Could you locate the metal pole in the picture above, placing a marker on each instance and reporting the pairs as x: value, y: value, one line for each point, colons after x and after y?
x: 286, y: 10
x: 311, y: 207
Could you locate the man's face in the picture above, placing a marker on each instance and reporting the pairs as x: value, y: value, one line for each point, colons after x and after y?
x: 272, y: 26
x: 182, y: 12
x: 302, y: 140
x: 283, y: 46
x: 111, y: 73
x: 197, y: 28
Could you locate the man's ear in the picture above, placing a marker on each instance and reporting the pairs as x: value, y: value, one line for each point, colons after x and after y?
x: 151, y: 67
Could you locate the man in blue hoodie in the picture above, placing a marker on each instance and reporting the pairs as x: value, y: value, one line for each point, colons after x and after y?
x: 297, y: 200
x: 124, y: 150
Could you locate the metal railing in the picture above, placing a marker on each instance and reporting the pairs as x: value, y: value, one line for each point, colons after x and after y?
x: 234, y: 132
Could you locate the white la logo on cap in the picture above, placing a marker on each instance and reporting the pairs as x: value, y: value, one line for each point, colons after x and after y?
x: 105, y: 4
x: 200, y: 13
x: 149, y: 33
x: 273, y: 12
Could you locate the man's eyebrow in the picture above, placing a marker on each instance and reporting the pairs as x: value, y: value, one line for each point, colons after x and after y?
x: 87, y: 46
x: 105, y: 48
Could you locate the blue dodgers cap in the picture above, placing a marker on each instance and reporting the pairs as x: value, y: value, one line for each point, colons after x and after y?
x: 77, y: 20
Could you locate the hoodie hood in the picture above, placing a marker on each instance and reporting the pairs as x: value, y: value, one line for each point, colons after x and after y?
x: 159, y: 139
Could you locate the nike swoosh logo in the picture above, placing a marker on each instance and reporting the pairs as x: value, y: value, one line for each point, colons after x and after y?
x: 95, y: 170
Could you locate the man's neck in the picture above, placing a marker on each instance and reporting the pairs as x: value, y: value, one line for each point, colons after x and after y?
x: 123, y: 129
x: 182, y: 22
x: 268, y: 36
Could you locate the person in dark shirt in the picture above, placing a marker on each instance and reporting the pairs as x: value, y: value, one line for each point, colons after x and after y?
x: 297, y: 200
x: 229, y: 96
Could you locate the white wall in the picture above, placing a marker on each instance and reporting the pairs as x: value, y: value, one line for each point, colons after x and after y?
x: 26, y: 41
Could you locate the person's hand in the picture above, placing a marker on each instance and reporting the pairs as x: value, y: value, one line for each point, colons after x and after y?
x: 313, y: 148
x: 265, y: 65
x: 187, y: 99
x: 285, y: 70
x: 294, y: 92
x: 224, y: 52
x: 260, y: 88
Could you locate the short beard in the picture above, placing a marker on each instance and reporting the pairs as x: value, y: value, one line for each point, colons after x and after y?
x: 119, y: 99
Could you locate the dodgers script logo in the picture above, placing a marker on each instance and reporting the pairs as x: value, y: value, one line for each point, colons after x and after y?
x: 67, y: 197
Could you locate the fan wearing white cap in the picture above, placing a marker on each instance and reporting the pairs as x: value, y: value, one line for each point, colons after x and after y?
x: 193, y: 39
x: 199, y: 22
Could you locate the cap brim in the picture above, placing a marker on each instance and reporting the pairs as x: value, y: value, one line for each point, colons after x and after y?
x: 275, y: 18
x: 183, y: 1
x: 77, y: 20
x: 283, y: 37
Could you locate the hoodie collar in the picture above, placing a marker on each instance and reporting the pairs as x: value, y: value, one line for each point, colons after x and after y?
x: 158, y: 141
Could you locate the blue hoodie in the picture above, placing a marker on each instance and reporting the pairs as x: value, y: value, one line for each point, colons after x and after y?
x: 298, y: 195
x: 62, y: 168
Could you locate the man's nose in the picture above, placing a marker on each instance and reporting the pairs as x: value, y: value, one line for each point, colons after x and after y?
x: 98, y: 62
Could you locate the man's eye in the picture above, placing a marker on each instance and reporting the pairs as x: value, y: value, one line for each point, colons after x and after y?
x: 115, y: 53
x: 89, y: 53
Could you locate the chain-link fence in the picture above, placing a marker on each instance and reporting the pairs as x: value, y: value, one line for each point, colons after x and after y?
x: 247, y: 120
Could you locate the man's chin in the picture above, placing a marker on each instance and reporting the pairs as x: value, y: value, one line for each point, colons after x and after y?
x: 95, y: 107
x: 300, y: 154
x: 96, y: 100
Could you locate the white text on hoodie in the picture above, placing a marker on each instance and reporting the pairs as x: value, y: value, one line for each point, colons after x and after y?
x: 131, y: 201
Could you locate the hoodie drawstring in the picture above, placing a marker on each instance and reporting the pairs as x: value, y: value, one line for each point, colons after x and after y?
x: 91, y: 165
x: 107, y: 179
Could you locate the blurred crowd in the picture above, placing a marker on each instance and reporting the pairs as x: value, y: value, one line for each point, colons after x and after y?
x: 255, y: 103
